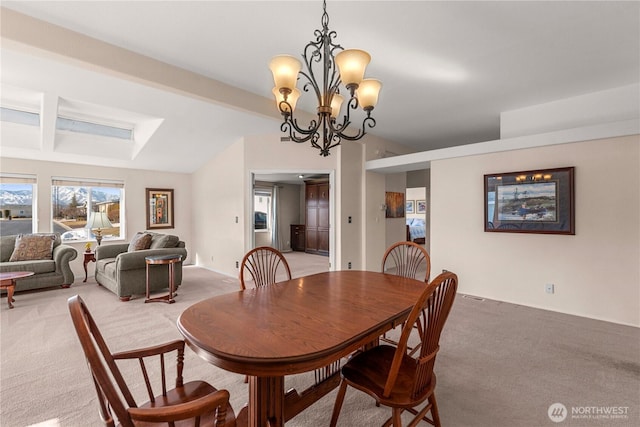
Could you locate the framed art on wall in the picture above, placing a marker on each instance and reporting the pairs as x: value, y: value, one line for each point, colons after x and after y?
x: 536, y: 201
x: 395, y: 205
x: 421, y: 206
x: 159, y: 208
x: 409, y: 207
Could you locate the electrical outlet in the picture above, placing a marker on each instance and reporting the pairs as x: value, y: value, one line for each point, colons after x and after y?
x: 237, y: 264
x: 349, y: 265
x: 549, y: 288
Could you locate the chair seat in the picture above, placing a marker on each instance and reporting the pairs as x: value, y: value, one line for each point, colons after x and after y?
x: 190, y: 391
x: 368, y: 372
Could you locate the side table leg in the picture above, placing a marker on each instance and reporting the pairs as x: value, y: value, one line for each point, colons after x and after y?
x: 10, y: 290
x: 147, y: 298
x: 85, y: 270
x: 171, y: 283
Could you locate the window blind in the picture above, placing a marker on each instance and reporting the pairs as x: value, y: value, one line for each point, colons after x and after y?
x: 10, y: 178
x: 85, y: 182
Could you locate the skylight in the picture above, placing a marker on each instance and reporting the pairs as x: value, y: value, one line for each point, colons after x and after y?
x: 80, y: 126
x: 19, y: 116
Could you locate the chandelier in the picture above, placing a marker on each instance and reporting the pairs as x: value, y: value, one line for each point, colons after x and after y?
x: 337, y: 66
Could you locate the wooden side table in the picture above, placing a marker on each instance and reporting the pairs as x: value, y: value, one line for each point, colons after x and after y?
x: 8, y: 282
x: 88, y: 256
x: 169, y: 260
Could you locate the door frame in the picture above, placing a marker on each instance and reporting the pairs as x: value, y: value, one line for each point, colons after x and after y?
x: 250, y: 235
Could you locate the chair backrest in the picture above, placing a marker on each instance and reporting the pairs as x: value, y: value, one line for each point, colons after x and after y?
x: 102, y: 366
x: 429, y: 313
x: 407, y: 259
x: 263, y: 264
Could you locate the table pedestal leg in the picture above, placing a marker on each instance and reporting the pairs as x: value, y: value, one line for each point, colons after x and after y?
x: 266, y: 401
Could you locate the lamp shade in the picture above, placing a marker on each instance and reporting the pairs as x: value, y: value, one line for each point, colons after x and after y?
x: 292, y: 99
x: 285, y: 69
x: 99, y: 220
x: 336, y: 103
x: 352, y: 64
x: 368, y: 92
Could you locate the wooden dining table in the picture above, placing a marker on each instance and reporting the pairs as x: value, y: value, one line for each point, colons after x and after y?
x: 292, y: 327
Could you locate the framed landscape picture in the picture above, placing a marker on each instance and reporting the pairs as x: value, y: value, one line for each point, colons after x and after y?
x: 159, y: 208
x: 421, y: 206
x: 537, y: 201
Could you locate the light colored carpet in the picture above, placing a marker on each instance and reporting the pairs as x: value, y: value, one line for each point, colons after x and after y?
x: 499, y: 365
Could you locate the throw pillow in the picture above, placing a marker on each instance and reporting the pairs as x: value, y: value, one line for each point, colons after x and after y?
x: 31, y: 247
x: 140, y: 242
x: 164, y: 241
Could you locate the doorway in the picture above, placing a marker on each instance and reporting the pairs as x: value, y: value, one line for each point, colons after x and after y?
x: 278, y: 209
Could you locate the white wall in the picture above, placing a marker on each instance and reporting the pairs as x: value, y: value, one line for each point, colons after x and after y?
x: 350, y: 204
x: 596, y: 272
x: 289, y: 212
x: 607, y: 106
x: 135, y: 183
x: 396, y: 228
x: 218, y: 212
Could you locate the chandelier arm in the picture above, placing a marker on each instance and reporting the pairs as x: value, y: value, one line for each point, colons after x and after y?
x: 351, y: 105
x: 291, y: 123
x: 313, y: 126
x: 340, y: 127
x: 369, y: 121
x: 287, y: 128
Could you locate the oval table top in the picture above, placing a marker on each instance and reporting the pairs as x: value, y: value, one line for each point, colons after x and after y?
x: 11, y: 275
x: 297, y: 325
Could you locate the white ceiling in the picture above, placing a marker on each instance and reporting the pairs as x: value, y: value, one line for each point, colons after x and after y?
x: 448, y: 68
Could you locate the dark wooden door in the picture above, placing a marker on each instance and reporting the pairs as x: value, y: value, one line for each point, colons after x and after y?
x: 317, y: 217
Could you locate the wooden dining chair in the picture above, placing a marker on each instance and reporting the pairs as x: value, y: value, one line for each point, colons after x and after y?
x: 394, y: 378
x: 263, y: 265
x: 266, y: 266
x: 194, y: 403
x: 406, y: 259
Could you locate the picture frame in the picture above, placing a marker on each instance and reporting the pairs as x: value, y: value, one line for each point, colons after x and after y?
x: 421, y: 206
x: 394, y: 203
x: 409, y: 208
x: 159, y: 208
x: 535, y: 201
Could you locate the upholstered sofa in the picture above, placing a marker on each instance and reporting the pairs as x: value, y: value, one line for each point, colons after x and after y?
x: 51, y: 267
x: 122, y: 269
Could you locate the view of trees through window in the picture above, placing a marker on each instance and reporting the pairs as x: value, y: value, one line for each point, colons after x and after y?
x: 73, y: 208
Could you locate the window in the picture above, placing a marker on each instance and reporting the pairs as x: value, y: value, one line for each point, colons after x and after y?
x: 261, y: 209
x: 16, y: 204
x: 83, y: 126
x: 75, y: 203
x: 21, y: 117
